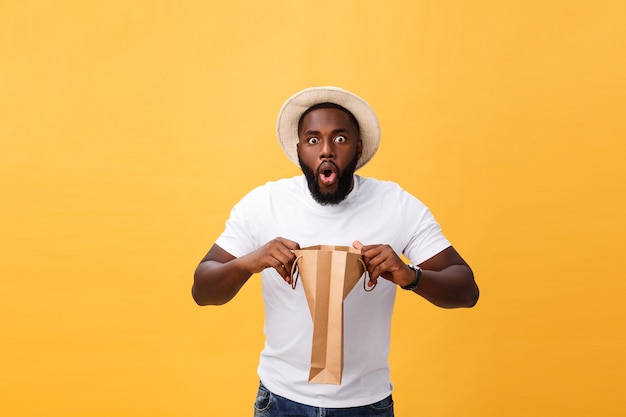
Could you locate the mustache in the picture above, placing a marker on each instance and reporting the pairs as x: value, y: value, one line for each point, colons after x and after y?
x: 324, y: 166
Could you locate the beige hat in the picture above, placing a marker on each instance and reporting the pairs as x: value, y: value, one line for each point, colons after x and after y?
x: 290, y: 113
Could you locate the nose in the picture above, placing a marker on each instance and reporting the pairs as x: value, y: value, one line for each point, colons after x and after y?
x: 327, y: 150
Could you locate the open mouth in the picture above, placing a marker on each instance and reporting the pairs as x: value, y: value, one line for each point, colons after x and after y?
x: 327, y: 173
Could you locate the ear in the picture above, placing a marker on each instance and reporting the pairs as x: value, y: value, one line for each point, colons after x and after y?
x: 359, y: 148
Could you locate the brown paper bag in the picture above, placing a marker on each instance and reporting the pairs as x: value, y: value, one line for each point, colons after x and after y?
x: 328, y: 274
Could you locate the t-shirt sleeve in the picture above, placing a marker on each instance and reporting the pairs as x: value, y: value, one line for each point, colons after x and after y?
x: 238, y: 237
x: 426, y: 238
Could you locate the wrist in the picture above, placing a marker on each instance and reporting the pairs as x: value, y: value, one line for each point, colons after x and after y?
x: 417, y: 277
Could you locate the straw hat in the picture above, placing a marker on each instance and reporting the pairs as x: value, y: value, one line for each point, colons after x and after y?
x: 291, y: 111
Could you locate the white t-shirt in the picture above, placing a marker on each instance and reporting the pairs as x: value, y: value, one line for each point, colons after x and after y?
x: 374, y: 212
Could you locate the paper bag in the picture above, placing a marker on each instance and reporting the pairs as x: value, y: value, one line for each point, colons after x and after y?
x: 328, y: 274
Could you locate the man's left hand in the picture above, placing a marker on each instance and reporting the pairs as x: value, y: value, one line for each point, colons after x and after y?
x: 382, y: 261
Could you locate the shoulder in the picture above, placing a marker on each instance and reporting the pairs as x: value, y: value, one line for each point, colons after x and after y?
x: 283, y: 185
x: 375, y: 187
x: 272, y: 190
x: 390, y: 195
x: 291, y: 184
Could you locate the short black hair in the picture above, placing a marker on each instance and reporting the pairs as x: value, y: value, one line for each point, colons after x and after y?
x: 329, y: 106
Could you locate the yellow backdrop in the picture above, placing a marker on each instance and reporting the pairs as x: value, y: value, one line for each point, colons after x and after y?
x: 129, y: 128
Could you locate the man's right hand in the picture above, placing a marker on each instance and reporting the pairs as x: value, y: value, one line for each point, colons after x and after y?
x: 277, y: 254
x: 220, y: 275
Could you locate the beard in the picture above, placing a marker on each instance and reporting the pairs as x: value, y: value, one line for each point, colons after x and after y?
x: 345, y: 182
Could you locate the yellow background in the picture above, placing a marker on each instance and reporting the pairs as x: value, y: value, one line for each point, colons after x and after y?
x: 129, y: 128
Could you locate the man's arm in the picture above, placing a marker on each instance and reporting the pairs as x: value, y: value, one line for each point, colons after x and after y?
x: 220, y: 275
x: 447, y: 280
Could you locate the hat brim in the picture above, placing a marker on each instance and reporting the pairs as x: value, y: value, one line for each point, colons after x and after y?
x: 291, y: 111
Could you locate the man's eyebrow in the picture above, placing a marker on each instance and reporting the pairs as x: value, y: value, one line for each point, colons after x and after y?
x: 317, y: 132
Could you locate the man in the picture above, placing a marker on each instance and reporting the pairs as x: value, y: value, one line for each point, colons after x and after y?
x: 330, y: 133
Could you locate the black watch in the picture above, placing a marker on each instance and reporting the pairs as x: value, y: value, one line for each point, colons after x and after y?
x: 416, y: 280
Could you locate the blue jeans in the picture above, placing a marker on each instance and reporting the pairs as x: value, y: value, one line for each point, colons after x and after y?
x: 268, y: 404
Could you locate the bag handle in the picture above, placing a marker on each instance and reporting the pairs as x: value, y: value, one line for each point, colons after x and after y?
x: 365, y: 273
x: 295, y: 273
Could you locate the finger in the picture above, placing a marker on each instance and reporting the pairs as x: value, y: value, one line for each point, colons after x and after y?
x: 379, y: 265
x: 286, y: 274
x: 284, y: 256
x: 281, y: 263
x: 357, y: 245
x: 289, y: 244
x: 287, y: 277
x: 370, y: 252
x: 286, y: 253
x: 371, y: 274
x: 380, y: 255
x: 372, y: 281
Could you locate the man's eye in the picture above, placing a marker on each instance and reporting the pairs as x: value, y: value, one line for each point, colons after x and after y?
x: 313, y: 141
x: 340, y: 139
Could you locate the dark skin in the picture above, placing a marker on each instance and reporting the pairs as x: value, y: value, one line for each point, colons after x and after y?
x: 328, y: 136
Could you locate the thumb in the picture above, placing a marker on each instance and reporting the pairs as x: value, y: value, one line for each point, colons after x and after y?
x: 357, y: 245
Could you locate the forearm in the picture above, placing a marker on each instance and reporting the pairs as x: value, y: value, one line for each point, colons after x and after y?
x: 452, y: 287
x: 216, y: 283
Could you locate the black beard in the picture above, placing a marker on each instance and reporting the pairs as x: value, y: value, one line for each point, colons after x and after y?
x: 345, y: 183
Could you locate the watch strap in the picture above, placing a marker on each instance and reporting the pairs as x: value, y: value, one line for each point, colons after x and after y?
x: 418, y: 276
